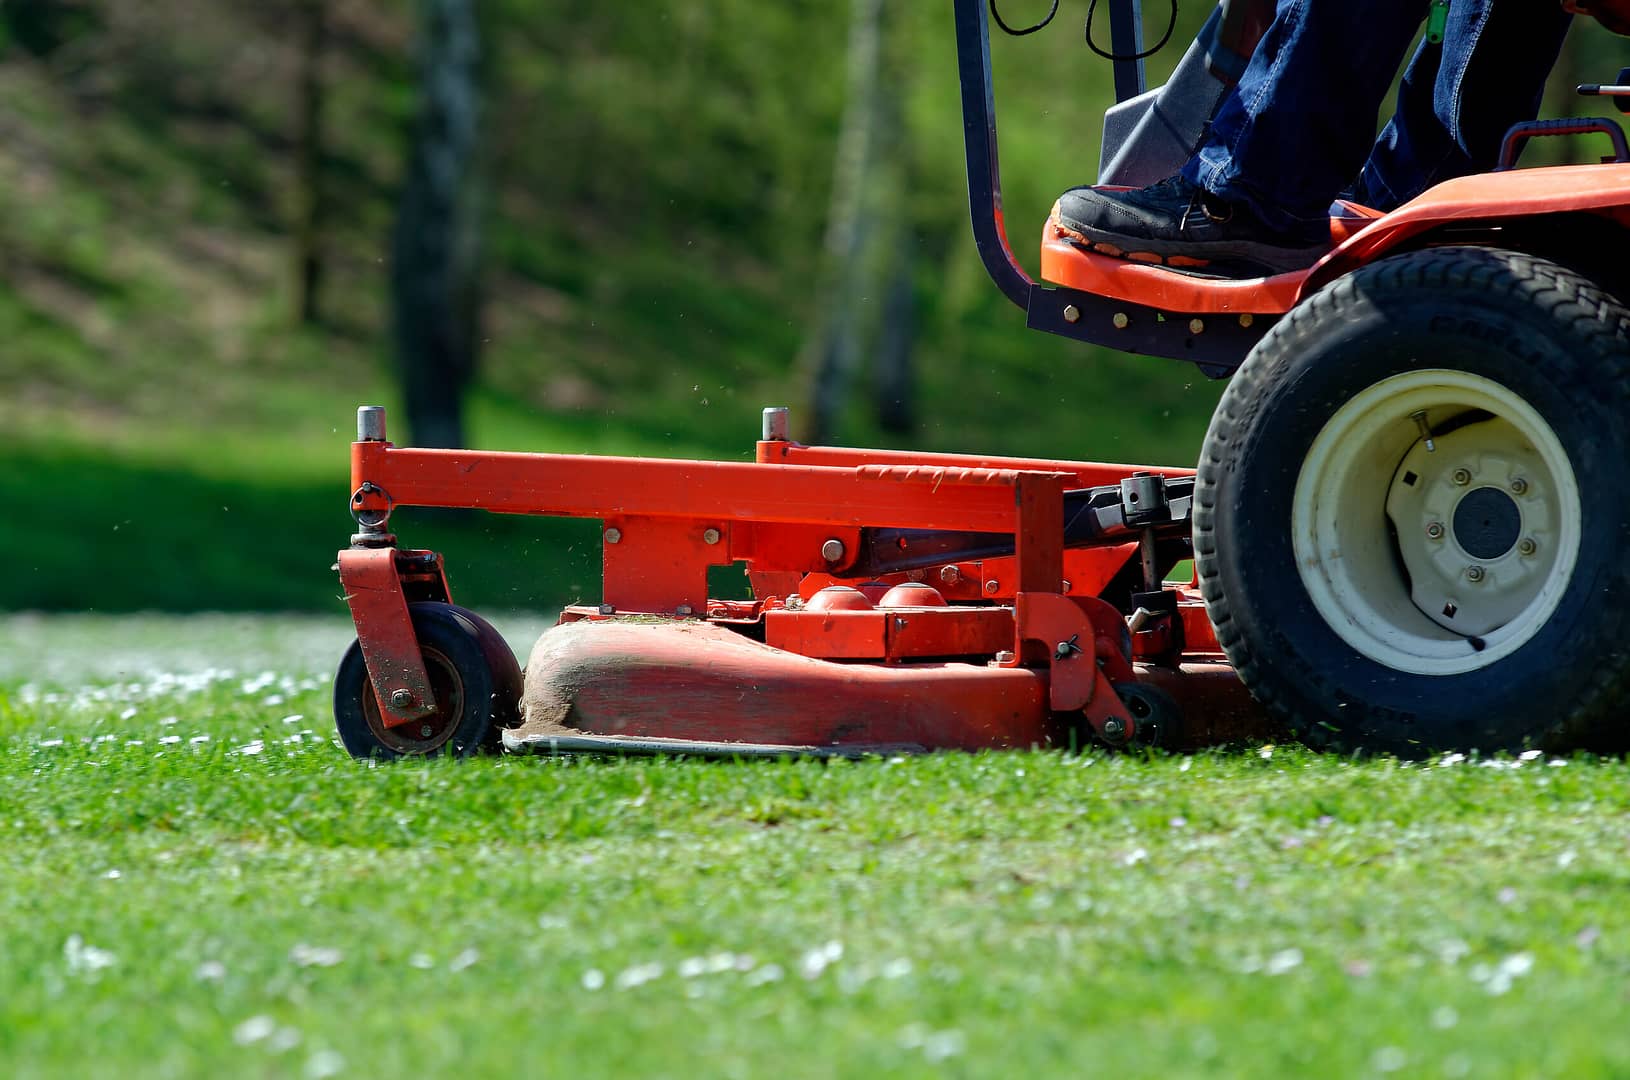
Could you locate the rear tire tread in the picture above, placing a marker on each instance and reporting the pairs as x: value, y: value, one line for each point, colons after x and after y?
x: 1520, y: 279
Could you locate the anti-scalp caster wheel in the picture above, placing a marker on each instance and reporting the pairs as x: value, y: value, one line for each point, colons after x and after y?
x: 1413, y: 506
x: 476, y: 680
x: 1156, y: 718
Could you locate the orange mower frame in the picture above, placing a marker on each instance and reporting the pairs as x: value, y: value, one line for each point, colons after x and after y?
x: 918, y: 601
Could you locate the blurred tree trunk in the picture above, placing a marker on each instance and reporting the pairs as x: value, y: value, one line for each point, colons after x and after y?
x: 894, y: 384
x: 435, y: 249
x: 896, y: 341
x: 308, y: 142
x: 832, y: 353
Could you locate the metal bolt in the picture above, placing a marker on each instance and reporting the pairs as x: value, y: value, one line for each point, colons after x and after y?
x: 950, y: 575
x: 710, y: 536
x: 1121, y: 320
x: 1197, y: 326
x: 1474, y: 573
x: 371, y: 423
x: 1419, y: 416
x: 1005, y: 656
x: 1435, y: 530
x: 401, y: 699
x: 1461, y: 477
x: 1246, y: 319
x: 608, y: 609
x: 776, y: 424
x: 1072, y: 314
x: 1526, y: 546
x: 425, y: 731
x: 1518, y: 486
x: 614, y: 536
x: 683, y: 609
x: 991, y: 587
x: 1114, y: 728
x: 832, y: 551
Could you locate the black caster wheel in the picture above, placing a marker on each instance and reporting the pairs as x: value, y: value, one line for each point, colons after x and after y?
x: 476, y: 681
x: 1156, y: 717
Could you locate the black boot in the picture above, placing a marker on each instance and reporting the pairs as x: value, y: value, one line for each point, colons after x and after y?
x: 1179, y: 224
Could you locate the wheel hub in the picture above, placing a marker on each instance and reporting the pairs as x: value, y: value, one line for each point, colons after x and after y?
x: 422, y: 736
x: 1475, y: 519
x: 1487, y: 522
x: 1436, y: 521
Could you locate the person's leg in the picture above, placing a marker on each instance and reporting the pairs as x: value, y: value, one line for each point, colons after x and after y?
x: 1459, y: 99
x: 1255, y: 198
x: 1304, y: 116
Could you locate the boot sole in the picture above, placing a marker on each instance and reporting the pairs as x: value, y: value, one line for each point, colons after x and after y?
x: 1243, y: 254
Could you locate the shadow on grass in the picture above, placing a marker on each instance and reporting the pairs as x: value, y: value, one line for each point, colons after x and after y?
x: 88, y: 532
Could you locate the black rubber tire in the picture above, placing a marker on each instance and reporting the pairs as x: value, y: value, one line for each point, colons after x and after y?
x: 477, y: 683
x: 1157, y: 720
x: 1546, y: 334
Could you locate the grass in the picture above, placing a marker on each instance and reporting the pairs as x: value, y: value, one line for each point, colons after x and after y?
x: 197, y: 884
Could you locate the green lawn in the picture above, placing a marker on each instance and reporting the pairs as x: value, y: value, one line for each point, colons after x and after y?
x: 197, y: 882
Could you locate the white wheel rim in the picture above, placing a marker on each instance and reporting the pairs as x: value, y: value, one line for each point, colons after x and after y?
x: 1439, y: 592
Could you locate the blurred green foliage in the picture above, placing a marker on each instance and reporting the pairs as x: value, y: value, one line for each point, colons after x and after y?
x: 658, y: 179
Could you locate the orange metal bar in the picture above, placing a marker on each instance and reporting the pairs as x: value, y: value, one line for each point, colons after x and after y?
x: 1039, y: 538
x: 373, y: 590
x: 1087, y: 571
x: 658, y: 564
x: 573, y: 485
x: 1082, y: 473
x: 890, y: 633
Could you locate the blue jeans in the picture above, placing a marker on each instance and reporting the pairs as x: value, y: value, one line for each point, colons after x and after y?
x: 1294, y: 133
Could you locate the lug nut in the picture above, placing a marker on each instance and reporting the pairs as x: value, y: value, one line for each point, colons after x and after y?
x: 832, y: 551
x: 710, y: 536
x: 614, y: 536
x: 1519, y: 486
x: 1434, y: 531
x: 401, y: 699
x: 950, y: 575
x: 1461, y: 477
x: 1526, y: 546
x: 425, y: 731
x: 1474, y: 573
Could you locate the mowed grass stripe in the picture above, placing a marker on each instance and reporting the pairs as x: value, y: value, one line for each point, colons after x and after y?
x: 249, y: 905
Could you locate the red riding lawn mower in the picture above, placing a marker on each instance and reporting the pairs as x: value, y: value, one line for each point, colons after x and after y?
x: 1408, y: 522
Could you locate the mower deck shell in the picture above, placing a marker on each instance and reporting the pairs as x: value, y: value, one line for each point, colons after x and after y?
x: 640, y: 686
x: 693, y: 681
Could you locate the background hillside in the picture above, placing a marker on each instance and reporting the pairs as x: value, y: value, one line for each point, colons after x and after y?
x: 656, y: 182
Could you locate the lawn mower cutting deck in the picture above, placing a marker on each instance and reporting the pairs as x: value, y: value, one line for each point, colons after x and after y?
x: 1407, y: 524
